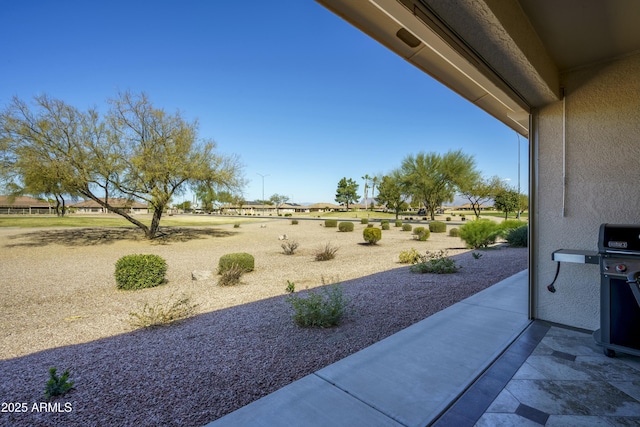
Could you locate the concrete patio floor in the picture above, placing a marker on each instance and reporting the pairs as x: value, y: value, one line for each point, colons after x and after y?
x: 479, y: 362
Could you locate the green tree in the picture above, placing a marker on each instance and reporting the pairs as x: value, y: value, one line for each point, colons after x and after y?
x: 347, y: 191
x: 434, y: 179
x: 278, y: 200
x: 507, y: 201
x: 390, y: 192
x: 185, y: 206
x: 480, y: 191
x: 136, y: 151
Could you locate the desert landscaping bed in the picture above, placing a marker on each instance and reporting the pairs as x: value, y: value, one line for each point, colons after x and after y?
x: 60, y: 307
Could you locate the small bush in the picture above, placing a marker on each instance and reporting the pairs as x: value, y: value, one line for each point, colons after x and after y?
x: 406, y: 227
x: 294, y: 222
x: 160, y: 313
x: 57, y: 385
x: 291, y: 287
x: 384, y: 225
x: 289, y: 247
x: 510, y: 224
x: 372, y: 235
x: 454, y: 232
x: 421, y: 233
x: 448, y: 218
x: 364, y: 220
x: 345, y: 226
x: 236, y: 225
x: 239, y: 259
x: 480, y: 233
x: 384, y: 221
x: 437, y: 227
x: 409, y: 257
x: 322, y: 309
x: 327, y: 253
x: 518, y: 237
x: 398, y: 223
x: 231, y: 275
x: 435, y: 262
x: 331, y: 223
x: 288, y: 214
x: 140, y: 271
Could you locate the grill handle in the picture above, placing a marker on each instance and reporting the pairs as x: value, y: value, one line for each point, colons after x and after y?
x: 633, y: 279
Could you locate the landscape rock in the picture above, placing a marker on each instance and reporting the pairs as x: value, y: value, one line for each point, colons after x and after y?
x: 201, y: 274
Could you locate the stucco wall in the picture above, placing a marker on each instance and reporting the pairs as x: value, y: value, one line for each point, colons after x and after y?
x: 602, y: 110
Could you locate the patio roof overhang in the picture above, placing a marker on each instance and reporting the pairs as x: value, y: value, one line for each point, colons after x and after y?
x: 506, y: 57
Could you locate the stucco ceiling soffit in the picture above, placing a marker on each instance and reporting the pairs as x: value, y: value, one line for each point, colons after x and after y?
x: 499, y: 32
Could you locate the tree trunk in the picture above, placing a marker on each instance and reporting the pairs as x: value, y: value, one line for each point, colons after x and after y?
x: 122, y: 213
x: 155, y: 224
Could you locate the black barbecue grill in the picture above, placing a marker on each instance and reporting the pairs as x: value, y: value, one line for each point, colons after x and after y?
x: 619, y: 252
x: 619, y: 259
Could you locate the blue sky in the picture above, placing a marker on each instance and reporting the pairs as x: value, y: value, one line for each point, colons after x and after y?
x: 299, y: 94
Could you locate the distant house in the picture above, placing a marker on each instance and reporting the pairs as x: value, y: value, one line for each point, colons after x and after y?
x: 255, y: 208
x: 469, y: 207
x: 93, y: 207
x: 323, y: 207
x: 24, y: 205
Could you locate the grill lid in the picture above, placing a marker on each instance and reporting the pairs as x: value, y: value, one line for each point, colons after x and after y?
x: 619, y: 238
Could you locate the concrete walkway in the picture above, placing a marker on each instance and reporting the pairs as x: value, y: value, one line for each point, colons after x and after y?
x: 407, y: 379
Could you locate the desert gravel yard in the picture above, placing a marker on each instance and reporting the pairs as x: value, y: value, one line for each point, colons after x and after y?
x: 59, y: 306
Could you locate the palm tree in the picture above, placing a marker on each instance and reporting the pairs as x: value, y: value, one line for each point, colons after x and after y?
x: 366, y: 189
x: 374, y: 181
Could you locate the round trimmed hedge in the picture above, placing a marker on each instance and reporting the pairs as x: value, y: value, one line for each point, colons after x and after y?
x: 242, y: 259
x: 345, y: 226
x: 140, y: 271
x: 372, y: 235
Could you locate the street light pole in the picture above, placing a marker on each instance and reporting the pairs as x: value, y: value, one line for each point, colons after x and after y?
x: 263, y: 201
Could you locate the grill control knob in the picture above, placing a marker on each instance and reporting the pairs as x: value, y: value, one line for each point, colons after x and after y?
x: 621, y: 268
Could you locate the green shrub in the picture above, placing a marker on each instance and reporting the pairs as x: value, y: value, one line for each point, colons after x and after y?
x: 364, y: 220
x: 454, y: 232
x: 372, y: 235
x: 327, y: 253
x: 57, y: 385
x: 162, y: 313
x: 437, y: 227
x: 231, y: 275
x: 240, y: 259
x: 421, y: 233
x: 480, y: 233
x: 409, y: 257
x: 140, y: 271
x: 406, y: 227
x: 322, y: 309
x: 398, y: 223
x: 510, y: 224
x: 448, y: 218
x: 236, y: 225
x: 384, y: 221
x: 331, y: 223
x: 384, y: 225
x: 291, y: 287
x: 345, y: 226
x: 518, y: 237
x: 294, y: 222
x: 435, y: 262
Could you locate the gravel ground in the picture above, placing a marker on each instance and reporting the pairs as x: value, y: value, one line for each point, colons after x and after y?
x: 60, y: 307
